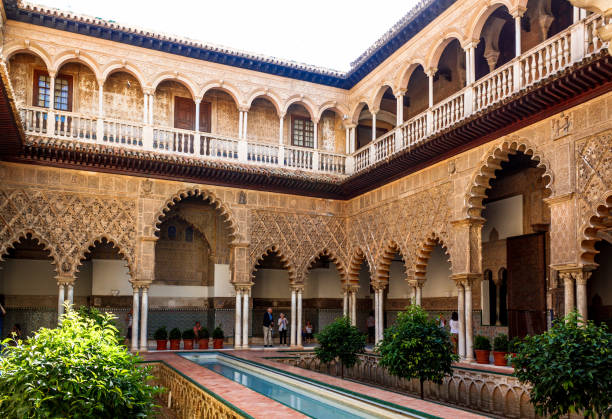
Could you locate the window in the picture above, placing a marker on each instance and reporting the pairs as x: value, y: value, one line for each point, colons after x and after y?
x: 172, y: 233
x: 302, y: 131
x: 189, y: 234
x: 42, y: 91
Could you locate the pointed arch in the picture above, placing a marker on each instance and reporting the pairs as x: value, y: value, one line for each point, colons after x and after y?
x: 356, y: 260
x: 332, y: 256
x: 590, y: 230
x: 301, y: 100
x: 231, y: 90
x: 118, y: 66
x: 271, y: 250
x: 403, y: 76
x: 339, y: 108
x: 265, y: 94
x: 222, y: 208
x: 76, y: 56
x: 16, y: 237
x: 386, y: 257
x: 424, y: 253
x: 436, y: 52
x: 28, y: 47
x: 178, y: 77
x: 492, y: 162
x: 117, y: 244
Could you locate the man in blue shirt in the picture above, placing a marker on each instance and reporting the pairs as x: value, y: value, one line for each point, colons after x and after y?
x: 268, y: 325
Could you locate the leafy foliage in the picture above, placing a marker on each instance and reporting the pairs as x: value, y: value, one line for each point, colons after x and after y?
x: 98, y: 317
x: 203, y: 333
x: 482, y: 343
x: 217, y: 333
x: 78, y: 370
x: 188, y: 334
x: 416, y: 347
x: 161, y: 334
x: 513, y: 344
x: 568, y: 368
x: 175, y: 334
x: 500, y: 343
x: 340, y: 341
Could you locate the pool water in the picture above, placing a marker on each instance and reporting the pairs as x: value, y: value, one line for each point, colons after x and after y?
x: 313, y: 402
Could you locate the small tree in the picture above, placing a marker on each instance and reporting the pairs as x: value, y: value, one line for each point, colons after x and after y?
x: 78, y: 369
x: 340, y: 341
x: 416, y: 347
x: 568, y: 368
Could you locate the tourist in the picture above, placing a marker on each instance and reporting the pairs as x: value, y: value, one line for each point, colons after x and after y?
x: 441, y: 321
x: 196, y: 331
x: 371, y: 324
x: 282, y: 329
x: 308, y: 331
x: 454, y: 330
x: 268, y: 326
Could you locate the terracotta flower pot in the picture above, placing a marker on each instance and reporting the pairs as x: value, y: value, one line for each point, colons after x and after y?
x: 482, y: 357
x: 218, y: 343
x: 162, y: 345
x: 203, y: 343
x: 499, y: 358
x: 175, y: 344
x: 188, y: 344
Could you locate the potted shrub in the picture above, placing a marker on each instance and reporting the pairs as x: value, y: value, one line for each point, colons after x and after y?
x: 482, y: 347
x: 188, y: 337
x: 203, y: 338
x: 175, y: 339
x: 217, y: 336
x: 161, y: 336
x: 500, y: 350
x: 513, y: 345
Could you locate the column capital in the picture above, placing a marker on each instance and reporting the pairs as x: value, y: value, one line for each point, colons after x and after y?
x: 101, y: 81
x: 465, y: 279
x: 470, y: 43
x: 65, y: 279
x: 148, y: 90
x: 282, y: 115
x: 400, y: 92
x: 297, y: 287
x: 374, y: 111
x: 140, y: 283
x: 468, y: 222
x: 350, y: 125
x: 518, y: 11
x: 52, y: 73
x: 244, y: 287
x: 431, y: 71
x: 244, y: 108
x: 198, y: 99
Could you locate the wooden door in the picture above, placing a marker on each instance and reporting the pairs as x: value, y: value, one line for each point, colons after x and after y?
x: 205, y: 125
x: 526, y: 284
x: 184, y: 113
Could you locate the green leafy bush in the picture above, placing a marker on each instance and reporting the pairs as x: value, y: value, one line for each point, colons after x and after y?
x: 188, y: 334
x: 568, y: 368
x: 78, y: 370
x: 98, y: 317
x: 416, y: 347
x: 217, y: 333
x: 500, y: 343
x: 513, y: 344
x: 482, y: 343
x: 175, y: 334
x: 204, y: 334
x: 340, y: 341
x: 161, y: 334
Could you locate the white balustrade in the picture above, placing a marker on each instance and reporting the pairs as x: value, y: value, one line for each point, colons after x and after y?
x: 494, y: 87
x: 34, y: 119
x: 415, y: 130
x: 262, y: 153
x: 592, y: 41
x: 332, y: 163
x: 546, y: 59
x: 73, y: 125
x: 219, y: 147
x: 448, y: 112
x: 299, y: 158
x: 122, y: 132
x: 175, y: 140
x: 384, y: 146
x: 362, y: 158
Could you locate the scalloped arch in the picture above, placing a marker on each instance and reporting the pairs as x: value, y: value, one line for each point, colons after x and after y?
x: 591, y: 227
x: 492, y: 162
x: 22, y: 234
x: 114, y: 242
x: 424, y: 253
x: 357, y: 258
x: 275, y: 249
x: 385, y: 257
x: 332, y: 256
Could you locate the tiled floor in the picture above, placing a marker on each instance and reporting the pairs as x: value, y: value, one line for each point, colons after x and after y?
x: 260, y: 406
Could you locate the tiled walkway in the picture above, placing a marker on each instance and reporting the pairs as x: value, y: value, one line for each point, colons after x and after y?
x: 260, y: 406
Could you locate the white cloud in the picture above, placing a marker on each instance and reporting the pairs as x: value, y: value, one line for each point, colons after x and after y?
x: 328, y: 33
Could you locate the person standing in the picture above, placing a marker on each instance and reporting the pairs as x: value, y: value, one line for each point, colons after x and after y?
x: 268, y: 326
x: 454, y: 330
x: 196, y: 331
x: 282, y: 329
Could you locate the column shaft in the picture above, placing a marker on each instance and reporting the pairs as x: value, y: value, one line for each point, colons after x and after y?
x: 101, y: 99
x: 60, y: 300
x: 581, y: 294
x: 240, y: 123
x: 292, y: 340
x: 238, y: 323
x: 299, y: 318
x: 569, y: 293
x: 373, y: 126
x: 354, y: 308
x: 245, y: 121
x: 517, y: 36
x: 144, y: 309
x: 461, y: 312
x: 135, y: 318
x: 469, y: 332
x: 245, y: 319
x: 70, y: 294
x: 145, y: 109
x: 430, y: 77
x: 345, y: 308
x: 419, y: 294
x: 281, y: 122
x: 497, y: 304
x: 151, y: 105
x: 197, y: 116
x: 316, y: 135
x: 376, y: 315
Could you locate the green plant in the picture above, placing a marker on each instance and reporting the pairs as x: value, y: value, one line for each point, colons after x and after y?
x: 513, y: 344
x: 568, y: 368
x: 204, y: 334
x: 340, y: 341
x: 482, y: 343
x: 161, y: 334
x: 76, y: 370
x: 217, y: 333
x: 188, y: 334
x: 175, y: 334
x: 98, y: 317
x: 500, y: 343
x: 416, y: 347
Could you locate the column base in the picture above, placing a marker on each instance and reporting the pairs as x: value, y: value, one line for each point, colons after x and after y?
x: 143, y: 350
x: 296, y: 347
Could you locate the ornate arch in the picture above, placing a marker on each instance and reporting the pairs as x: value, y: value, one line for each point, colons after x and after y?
x: 178, y: 77
x: 225, y: 87
x: 386, y: 257
x: 28, y: 47
x: 357, y: 258
x: 332, y: 256
x: 77, y: 56
x: 275, y: 249
x: 436, y: 53
x: 266, y: 94
x: 123, y: 66
x: 117, y: 244
x: 424, y: 253
x: 223, y: 209
x: 301, y: 100
x: 590, y: 230
x: 40, y: 238
x: 492, y: 162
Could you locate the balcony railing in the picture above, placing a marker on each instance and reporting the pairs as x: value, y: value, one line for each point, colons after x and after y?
x: 552, y: 56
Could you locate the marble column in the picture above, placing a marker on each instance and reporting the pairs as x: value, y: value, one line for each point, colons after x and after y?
x: 245, y: 120
x: 238, y: 322
x: 354, y: 307
x: 316, y: 134
x: 245, y: 317
x: 373, y: 125
x: 281, y: 122
x: 292, y: 340
x: 376, y: 315
x: 300, y: 321
x: 461, y: 312
x: 240, y: 123
x: 145, y: 108
x: 70, y: 297
x: 144, y: 314
x: 568, y: 283
x: 60, y: 299
x: 381, y: 313
x: 135, y: 317
x: 581, y: 279
x: 345, y: 308
x: 197, y: 114
x: 469, y: 332
x: 151, y: 105
x: 517, y: 36
x: 51, y: 115
x: 430, y: 76
x: 419, y: 293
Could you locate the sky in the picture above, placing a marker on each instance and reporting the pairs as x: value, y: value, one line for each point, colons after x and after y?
x: 326, y: 33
